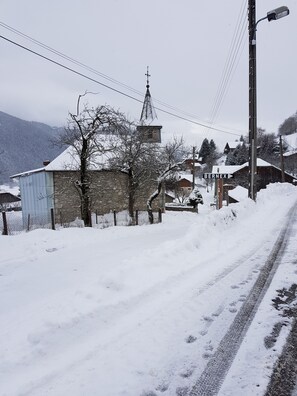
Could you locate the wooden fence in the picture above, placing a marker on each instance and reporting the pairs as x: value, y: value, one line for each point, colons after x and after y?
x: 10, y: 224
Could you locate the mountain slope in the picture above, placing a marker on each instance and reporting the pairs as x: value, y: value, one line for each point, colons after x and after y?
x: 24, y: 145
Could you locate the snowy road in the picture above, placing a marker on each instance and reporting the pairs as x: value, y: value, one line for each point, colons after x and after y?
x: 141, y: 310
x: 219, y: 364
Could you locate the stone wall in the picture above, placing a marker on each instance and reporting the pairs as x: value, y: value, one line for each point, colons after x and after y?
x: 109, y: 192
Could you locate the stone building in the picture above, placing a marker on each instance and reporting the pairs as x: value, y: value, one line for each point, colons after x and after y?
x: 54, y: 187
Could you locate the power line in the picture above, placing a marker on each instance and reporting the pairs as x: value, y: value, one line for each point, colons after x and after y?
x: 229, y: 68
x: 72, y: 60
x: 64, y: 56
x: 109, y: 87
x: 230, y: 64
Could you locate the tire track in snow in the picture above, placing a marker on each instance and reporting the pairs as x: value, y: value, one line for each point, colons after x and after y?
x: 212, y: 377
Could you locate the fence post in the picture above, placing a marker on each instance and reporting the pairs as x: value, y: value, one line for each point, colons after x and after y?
x: 28, y: 225
x: 160, y: 215
x: 96, y: 216
x: 61, y: 222
x: 90, y: 216
x: 53, y: 219
x: 115, y: 217
x: 136, y: 217
x: 5, y: 228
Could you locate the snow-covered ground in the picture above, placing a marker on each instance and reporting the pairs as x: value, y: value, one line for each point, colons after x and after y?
x: 139, y: 310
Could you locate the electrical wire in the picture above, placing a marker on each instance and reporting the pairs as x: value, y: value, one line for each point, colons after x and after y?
x: 78, y: 63
x: 228, y: 74
x: 109, y: 87
x: 231, y: 62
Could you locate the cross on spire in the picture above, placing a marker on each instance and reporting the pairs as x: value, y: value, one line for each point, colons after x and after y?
x: 147, y: 77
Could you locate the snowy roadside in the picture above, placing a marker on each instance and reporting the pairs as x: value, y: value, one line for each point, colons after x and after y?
x: 128, y: 310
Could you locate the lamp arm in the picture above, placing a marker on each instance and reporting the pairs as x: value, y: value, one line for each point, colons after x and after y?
x: 255, y: 29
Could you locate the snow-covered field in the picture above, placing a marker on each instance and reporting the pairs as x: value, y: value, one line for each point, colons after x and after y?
x: 139, y: 310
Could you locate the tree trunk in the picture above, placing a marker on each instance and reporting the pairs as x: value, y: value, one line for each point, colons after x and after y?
x: 85, y: 187
x: 131, y: 195
x: 150, y: 202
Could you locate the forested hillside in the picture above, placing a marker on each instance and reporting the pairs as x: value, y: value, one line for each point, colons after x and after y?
x: 24, y: 145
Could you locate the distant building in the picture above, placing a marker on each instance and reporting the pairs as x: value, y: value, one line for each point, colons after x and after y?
x: 266, y: 174
x: 231, y: 146
x: 185, y: 185
x: 9, y: 201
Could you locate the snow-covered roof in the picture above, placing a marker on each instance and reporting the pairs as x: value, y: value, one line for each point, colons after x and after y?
x: 68, y: 160
x: 234, y: 168
x: 238, y: 193
x: 170, y: 194
x: 226, y: 168
x: 190, y: 158
x: 289, y: 153
x: 186, y: 177
x: 27, y: 172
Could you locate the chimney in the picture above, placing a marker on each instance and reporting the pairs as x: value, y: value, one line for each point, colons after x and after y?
x: 46, y: 162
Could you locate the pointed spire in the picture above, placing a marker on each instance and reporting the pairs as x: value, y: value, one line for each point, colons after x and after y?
x: 148, y: 113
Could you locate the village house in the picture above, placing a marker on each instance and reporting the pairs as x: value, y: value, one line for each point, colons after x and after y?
x: 231, y: 146
x: 239, y: 175
x: 9, y: 201
x: 185, y: 184
x: 290, y: 161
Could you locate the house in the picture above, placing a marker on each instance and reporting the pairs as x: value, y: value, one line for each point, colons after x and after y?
x: 185, y: 184
x: 266, y: 173
x: 53, y: 186
x: 192, y: 162
x: 9, y: 201
x: 290, y: 156
x: 231, y: 146
x: 290, y: 162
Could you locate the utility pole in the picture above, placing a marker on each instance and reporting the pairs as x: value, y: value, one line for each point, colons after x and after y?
x: 282, y: 157
x: 252, y: 99
x: 193, y: 180
x: 273, y: 15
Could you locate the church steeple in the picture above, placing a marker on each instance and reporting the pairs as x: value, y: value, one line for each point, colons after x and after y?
x: 148, y: 113
x: 150, y: 133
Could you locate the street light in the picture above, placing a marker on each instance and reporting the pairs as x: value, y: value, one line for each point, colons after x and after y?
x: 273, y: 15
x: 278, y: 13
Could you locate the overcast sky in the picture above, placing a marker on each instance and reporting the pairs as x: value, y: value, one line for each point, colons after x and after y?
x: 186, y: 44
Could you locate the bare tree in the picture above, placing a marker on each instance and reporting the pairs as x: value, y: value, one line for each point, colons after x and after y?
x: 133, y: 155
x: 169, y: 159
x: 89, y: 133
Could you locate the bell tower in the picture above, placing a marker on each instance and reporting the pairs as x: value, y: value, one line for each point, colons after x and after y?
x: 151, y: 133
